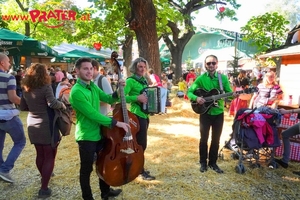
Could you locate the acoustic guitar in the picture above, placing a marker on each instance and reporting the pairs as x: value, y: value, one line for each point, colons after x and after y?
x: 212, y: 96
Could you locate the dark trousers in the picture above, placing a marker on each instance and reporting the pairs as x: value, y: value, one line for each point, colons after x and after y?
x: 215, y: 122
x: 87, y: 150
x: 141, y: 136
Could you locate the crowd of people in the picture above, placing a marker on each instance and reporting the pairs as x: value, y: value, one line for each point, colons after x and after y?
x: 37, y: 91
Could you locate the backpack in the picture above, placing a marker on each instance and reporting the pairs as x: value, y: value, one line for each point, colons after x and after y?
x: 112, y: 84
x: 64, y: 118
x: 100, y: 82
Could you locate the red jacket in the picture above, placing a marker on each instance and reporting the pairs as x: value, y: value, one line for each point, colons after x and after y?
x: 189, y: 76
x: 157, y: 80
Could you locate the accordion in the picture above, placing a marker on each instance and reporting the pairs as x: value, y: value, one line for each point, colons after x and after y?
x: 157, y: 97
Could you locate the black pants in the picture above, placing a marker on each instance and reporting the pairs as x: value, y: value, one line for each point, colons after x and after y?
x: 141, y: 135
x: 87, y: 150
x: 215, y: 122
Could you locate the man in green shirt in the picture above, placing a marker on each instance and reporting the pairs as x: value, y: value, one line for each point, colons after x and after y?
x: 134, y: 85
x: 214, y: 117
x: 85, y: 99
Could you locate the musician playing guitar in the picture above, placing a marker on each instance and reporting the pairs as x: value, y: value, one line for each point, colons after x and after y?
x: 214, y: 116
x: 134, y: 85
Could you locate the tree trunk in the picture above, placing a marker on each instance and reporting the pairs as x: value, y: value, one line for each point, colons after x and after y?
x: 127, y: 54
x: 143, y: 22
x: 177, y: 51
x: 176, y: 54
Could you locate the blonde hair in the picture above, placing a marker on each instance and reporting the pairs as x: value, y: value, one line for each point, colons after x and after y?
x: 266, y: 80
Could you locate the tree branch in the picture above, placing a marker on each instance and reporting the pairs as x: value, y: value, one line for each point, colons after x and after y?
x: 21, y: 6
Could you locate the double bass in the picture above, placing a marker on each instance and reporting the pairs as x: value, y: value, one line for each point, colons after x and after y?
x: 122, y: 158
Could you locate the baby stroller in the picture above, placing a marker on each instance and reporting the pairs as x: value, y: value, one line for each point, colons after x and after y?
x: 254, y: 136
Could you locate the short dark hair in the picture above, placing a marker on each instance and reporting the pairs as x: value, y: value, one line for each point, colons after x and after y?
x: 215, y: 57
x: 96, y: 64
x: 82, y: 60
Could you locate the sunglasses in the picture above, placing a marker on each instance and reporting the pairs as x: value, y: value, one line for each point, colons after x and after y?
x: 211, y: 63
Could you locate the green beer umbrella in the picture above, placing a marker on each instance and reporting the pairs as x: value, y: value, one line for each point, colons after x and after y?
x: 16, y: 44
x: 72, y: 56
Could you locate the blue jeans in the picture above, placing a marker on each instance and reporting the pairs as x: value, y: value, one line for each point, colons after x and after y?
x: 292, y: 131
x: 14, y: 128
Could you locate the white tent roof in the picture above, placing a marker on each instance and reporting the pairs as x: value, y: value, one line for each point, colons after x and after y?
x: 223, y: 54
x: 288, y: 51
x: 64, y: 48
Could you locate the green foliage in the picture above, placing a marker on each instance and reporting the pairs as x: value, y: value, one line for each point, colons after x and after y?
x: 189, y: 63
x: 235, y: 64
x: 229, y: 12
x: 266, y: 31
x: 3, y: 24
x: 286, y: 8
x: 109, y: 25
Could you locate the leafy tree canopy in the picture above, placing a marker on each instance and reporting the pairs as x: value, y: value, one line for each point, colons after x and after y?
x: 266, y: 31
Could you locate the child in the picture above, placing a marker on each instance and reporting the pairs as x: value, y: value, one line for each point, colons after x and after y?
x: 182, y: 87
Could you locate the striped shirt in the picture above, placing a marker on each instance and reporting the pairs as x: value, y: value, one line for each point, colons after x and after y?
x: 265, y: 95
x: 7, y: 82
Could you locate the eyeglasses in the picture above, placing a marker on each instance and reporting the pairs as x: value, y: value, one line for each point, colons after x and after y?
x: 211, y: 63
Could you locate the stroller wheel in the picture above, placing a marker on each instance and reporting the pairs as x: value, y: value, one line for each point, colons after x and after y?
x: 240, y: 169
x: 273, y: 165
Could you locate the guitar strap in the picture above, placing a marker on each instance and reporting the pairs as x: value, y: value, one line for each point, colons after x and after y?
x: 220, y: 83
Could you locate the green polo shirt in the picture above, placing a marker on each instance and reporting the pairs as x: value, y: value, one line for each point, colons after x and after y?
x: 134, y: 86
x: 208, y: 83
x: 85, y: 101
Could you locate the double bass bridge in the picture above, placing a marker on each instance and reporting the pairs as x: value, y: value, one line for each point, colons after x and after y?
x: 127, y: 151
x: 127, y: 137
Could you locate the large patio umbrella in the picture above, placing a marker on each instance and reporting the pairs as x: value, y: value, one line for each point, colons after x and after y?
x: 72, y: 56
x: 16, y: 44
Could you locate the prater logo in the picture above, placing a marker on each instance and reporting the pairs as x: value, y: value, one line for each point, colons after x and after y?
x: 51, y: 19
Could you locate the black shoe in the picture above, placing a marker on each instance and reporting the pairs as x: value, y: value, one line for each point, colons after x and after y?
x: 203, y: 167
x: 296, y: 172
x: 111, y: 193
x: 44, y: 193
x: 283, y: 164
x: 146, y: 176
x: 216, y: 168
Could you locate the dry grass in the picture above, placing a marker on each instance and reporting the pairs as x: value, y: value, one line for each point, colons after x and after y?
x: 171, y: 156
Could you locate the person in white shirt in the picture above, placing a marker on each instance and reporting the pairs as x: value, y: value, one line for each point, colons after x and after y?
x: 69, y: 76
x: 104, y: 85
x: 63, y: 84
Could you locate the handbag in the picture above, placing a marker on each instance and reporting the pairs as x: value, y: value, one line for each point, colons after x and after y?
x: 243, y: 96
